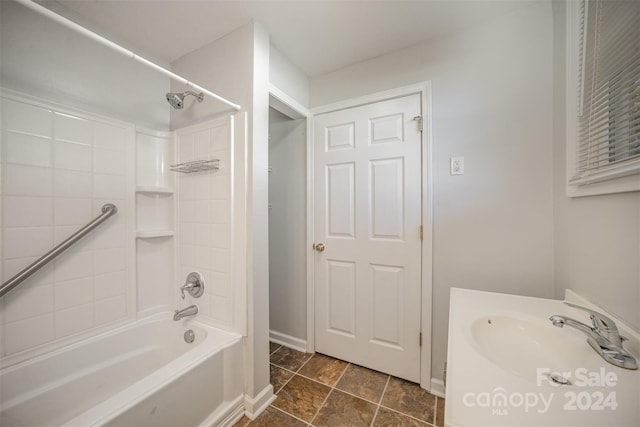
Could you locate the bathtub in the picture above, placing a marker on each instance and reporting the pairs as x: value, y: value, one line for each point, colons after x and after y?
x: 141, y: 374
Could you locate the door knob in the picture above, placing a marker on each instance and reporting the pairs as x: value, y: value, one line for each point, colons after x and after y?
x: 319, y: 247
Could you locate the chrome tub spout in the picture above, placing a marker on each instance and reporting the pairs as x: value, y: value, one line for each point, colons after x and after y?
x: 192, y: 310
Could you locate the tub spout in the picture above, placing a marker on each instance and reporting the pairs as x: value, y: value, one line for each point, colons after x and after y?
x: 192, y: 310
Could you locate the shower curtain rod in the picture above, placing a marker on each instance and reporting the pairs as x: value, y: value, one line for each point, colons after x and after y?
x: 106, y: 42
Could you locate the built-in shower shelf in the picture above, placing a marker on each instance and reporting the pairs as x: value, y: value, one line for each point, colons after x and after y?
x: 152, y: 234
x: 154, y: 190
x: 196, y: 166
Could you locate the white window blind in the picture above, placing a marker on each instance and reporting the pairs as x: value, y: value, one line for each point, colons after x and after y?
x: 608, y: 143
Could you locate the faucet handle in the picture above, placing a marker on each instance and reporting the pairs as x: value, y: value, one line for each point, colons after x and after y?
x: 186, y: 287
x: 600, y: 321
x: 194, y: 285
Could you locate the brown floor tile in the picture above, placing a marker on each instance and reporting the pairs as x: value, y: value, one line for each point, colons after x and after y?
x: 388, y: 418
x: 342, y: 409
x: 273, y: 347
x: 301, y: 397
x: 323, y: 368
x: 271, y: 417
x: 363, y: 382
x: 408, y: 398
x: 279, y: 377
x: 439, y: 422
x: 243, y: 422
x: 289, y: 359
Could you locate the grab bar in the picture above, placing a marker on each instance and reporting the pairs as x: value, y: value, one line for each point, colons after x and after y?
x: 107, y: 211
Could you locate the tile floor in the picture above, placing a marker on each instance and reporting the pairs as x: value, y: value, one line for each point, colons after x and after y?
x: 318, y: 390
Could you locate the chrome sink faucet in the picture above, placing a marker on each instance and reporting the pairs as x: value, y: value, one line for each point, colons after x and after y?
x: 603, y: 336
x: 192, y: 310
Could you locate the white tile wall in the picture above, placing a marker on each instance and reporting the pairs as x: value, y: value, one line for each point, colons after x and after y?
x: 204, y: 220
x: 58, y: 169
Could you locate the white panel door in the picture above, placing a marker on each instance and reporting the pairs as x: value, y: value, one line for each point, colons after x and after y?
x: 367, y: 214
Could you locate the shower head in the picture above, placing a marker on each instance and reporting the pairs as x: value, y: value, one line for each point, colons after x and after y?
x: 176, y: 100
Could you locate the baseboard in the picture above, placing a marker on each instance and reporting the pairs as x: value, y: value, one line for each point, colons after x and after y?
x: 254, y: 406
x: 437, y: 387
x: 288, y: 341
x: 233, y: 418
x: 227, y: 415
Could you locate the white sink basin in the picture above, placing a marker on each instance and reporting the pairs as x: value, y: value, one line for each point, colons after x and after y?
x: 516, y: 345
x: 504, y: 355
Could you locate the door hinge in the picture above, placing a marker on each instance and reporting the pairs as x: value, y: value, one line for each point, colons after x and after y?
x: 421, y: 232
x: 420, y: 121
x: 420, y: 339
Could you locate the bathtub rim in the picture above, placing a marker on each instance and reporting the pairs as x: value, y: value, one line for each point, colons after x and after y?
x: 147, y: 386
x: 215, y: 341
x: 34, y: 354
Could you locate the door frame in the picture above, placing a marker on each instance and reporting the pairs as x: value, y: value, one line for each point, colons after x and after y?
x: 424, y: 89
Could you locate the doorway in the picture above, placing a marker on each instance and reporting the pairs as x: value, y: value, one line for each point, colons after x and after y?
x: 287, y: 230
x: 367, y: 222
x: 293, y: 307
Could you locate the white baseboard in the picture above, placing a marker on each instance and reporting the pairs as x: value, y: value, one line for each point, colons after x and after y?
x: 254, y: 406
x: 227, y: 415
x: 437, y: 387
x: 288, y: 341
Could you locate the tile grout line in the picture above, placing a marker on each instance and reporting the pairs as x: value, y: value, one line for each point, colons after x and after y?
x: 291, y: 415
x: 285, y: 369
x: 407, y: 415
x: 335, y: 386
x: 305, y: 362
x: 384, y: 390
x: 308, y: 423
x: 271, y: 353
x: 378, y: 404
x: 332, y: 388
x: 285, y: 383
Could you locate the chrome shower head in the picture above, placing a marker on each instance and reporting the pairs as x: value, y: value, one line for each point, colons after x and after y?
x: 176, y: 100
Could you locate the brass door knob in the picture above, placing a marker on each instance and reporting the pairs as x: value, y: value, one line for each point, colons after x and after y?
x: 319, y: 247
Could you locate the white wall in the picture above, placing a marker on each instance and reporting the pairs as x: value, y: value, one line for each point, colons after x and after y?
x: 259, y: 229
x: 492, y: 99
x: 287, y: 77
x: 225, y: 68
x: 597, y: 239
x: 41, y: 57
x: 287, y: 227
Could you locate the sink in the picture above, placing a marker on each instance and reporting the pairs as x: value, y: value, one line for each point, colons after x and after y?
x: 508, y: 366
x: 520, y: 346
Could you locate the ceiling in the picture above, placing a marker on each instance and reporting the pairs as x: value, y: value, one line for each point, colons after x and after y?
x: 317, y: 36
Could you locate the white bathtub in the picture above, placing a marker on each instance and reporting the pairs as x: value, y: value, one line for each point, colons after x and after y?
x: 137, y: 375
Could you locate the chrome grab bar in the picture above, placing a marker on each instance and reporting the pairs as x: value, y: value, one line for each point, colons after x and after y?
x: 107, y: 211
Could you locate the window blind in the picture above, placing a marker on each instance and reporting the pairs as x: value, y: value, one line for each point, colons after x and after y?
x: 608, y: 143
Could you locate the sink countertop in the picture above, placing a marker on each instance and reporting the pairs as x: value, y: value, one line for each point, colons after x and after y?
x: 503, y: 351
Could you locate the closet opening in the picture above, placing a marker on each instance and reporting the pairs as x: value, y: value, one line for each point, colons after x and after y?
x: 287, y: 229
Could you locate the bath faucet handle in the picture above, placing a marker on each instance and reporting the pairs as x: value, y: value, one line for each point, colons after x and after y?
x: 194, y: 285
x: 601, y: 322
x: 603, y: 325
